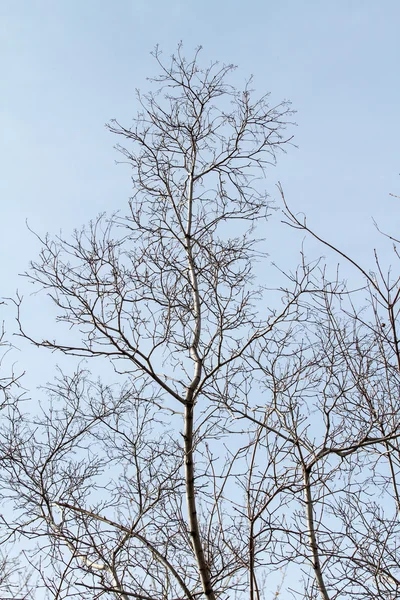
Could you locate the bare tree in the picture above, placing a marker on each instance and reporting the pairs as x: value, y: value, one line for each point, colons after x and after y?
x: 14, y: 579
x: 166, y: 294
x: 241, y: 442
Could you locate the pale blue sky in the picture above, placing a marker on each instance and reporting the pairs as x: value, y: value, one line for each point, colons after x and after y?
x: 69, y: 66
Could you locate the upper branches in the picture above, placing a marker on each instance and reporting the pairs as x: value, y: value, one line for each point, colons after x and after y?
x: 197, y: 125
x: 172, y: 275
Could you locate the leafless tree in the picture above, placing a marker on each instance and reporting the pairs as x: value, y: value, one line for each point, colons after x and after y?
x: 14, y: 580
x: 242, y: 443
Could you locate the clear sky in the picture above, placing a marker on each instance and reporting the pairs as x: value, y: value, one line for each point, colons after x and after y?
x: 67, y: 67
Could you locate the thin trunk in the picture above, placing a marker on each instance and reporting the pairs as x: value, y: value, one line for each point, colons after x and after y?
x: 191, y: 504
x: 193, y: 520
x: 312, y: 536
x: 118, y: 586
x: 251, y: 560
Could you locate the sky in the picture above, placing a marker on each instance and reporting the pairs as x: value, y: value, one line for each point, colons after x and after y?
x: 68, y: 67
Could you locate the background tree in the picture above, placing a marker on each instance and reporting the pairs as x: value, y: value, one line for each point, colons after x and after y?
x: 14, y: 580
x: 9, y: 379
x: 245, y: 437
